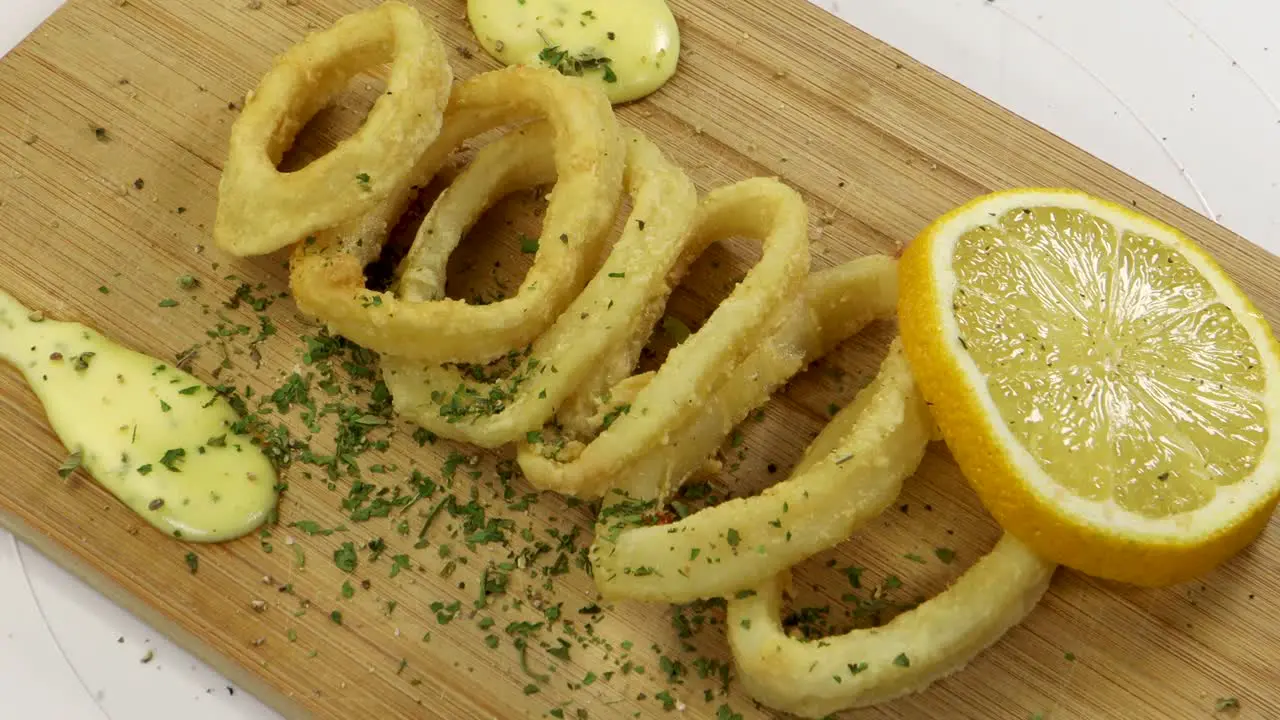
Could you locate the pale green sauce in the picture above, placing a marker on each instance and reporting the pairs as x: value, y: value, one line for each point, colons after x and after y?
x: 158, y: 438
x: 637, y: 39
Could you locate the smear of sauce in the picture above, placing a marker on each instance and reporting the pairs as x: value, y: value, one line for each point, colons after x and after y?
x: 631, y: 47
x: 157, y: 437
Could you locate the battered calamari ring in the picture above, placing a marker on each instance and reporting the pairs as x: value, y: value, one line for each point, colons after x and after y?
x: 761, y: 208
x: 851, y: 472
x: 328, y: 274
x: 836, y: 304
x: 864, y: 667
x: 611, y: 318
x: 261, y: 209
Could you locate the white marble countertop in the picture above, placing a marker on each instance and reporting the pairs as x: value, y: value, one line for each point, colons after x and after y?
x: 1182, y: 94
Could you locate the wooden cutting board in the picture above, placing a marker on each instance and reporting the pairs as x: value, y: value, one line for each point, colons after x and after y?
x: 113, y: 126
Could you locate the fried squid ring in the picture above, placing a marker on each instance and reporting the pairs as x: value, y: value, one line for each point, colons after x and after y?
x: 760, y: 208
x: 327, y: 275
x: 850, y: 473
x: 261, y: 209
x: 836, y: 304
x: 612, y: 317
x: 864, y: 667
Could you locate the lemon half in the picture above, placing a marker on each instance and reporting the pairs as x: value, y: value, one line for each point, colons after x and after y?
x: 1110, y: 393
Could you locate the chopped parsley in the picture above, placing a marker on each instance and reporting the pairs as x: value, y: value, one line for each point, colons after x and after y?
x: 345, y: 557
x: 400, y: 562
x: 578, y: 65
x: 71, y: 464
x: 311, y: 527
x: 171, y: 459
x: 675, y: 328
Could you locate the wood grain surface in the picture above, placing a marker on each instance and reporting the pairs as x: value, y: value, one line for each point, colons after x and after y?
x: 114, y: 119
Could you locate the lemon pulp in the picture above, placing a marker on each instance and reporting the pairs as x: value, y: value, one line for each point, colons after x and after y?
x: 1110, y: 358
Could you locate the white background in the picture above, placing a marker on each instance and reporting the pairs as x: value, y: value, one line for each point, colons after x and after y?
x: 1181, y: 94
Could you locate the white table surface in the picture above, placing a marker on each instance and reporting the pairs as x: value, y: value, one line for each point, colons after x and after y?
x: 1182, y: 94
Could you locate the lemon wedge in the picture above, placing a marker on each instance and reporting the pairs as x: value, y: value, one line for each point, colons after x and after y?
x: 1108, y: 391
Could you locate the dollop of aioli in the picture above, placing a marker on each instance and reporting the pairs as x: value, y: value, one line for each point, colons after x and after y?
x: 631, y: 47
x: 158, y: 438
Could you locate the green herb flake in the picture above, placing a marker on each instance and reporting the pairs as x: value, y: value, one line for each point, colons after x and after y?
x: 724, y: 712
x: 345, y: 557
x: 171, y: 458
x: 675, y: 329
x: 310, y: 527
x: 398, y: 563
x: 854, y: 574
x: 71, y: 464
x: 193, y: 562
x: 1223, y: 704
x: 562, y: 651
